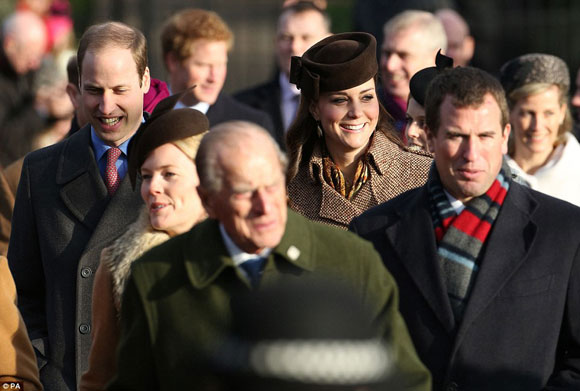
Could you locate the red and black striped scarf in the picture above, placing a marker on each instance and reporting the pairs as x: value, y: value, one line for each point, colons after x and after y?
x: 460, y: 238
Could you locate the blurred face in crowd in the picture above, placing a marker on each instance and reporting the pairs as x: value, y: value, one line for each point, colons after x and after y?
x: 206, y: 68
x: 296, y: 33
x: 403, y: 54
x: 415, y: 129
x: 251, y: 203
x: 460, y: 45
x: 169, y: 189
x: 348, y: 118
x: 112, y: 93
x: 469, y: 146
x: 535, y: 120
x: 576, y: 98
x: 25, y: 43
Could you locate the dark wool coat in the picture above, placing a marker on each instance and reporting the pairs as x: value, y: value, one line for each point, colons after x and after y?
x: 177, y: 301
x: 267, y: 97
x: 63, y: 218
x: 521, y: 327
x: 393, y: 170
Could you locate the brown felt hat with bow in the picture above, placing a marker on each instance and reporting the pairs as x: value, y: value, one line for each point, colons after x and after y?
x: 164, y: 125
x: 336, y: 63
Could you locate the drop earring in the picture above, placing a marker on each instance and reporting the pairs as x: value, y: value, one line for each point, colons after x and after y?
x: 318, y: 129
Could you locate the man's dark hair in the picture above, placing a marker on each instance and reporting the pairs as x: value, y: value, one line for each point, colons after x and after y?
x: 467, y: 87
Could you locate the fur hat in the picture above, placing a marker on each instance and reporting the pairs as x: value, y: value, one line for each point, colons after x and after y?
x: 535, y: 68
x: 420, y: 81
x: 164, y: 125
x: 336, y: 63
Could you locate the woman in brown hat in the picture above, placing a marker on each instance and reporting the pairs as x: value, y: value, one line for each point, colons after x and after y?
x: 162, y: 153
x: 542, y: 151
x: 344, y: 154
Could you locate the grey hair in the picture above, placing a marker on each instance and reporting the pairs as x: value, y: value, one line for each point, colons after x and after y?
x: 429, y: 24
x: 228, y: 134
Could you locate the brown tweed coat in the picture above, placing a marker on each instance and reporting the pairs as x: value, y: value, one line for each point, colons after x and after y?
x: 393, y: 170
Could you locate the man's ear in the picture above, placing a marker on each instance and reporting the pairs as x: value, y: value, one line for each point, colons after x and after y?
x: 313, y: 108
x: 505, y: 138
x: 206, y: 201
x: 73, y: 94
x: 146, y: 81
x: 430, y: 138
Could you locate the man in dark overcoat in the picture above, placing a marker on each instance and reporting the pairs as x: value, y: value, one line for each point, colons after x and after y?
x: 73, y: 200
x: 300, y: 26
x: 488, y: 270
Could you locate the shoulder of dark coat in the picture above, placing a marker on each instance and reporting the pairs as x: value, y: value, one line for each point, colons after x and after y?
x: 380, y: 216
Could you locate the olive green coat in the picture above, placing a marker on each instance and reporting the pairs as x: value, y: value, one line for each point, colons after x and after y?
x: 177, y: 300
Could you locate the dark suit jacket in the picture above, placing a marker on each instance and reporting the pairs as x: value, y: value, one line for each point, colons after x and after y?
x: 227, y: 108
x: 521, y: 327
x: 266, y: 97
x: 63, y: 217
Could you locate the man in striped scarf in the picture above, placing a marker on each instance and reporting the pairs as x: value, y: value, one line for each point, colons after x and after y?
x: 488, y: 270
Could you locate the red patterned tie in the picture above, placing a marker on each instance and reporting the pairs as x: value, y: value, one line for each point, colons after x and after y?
x: 111, y: 175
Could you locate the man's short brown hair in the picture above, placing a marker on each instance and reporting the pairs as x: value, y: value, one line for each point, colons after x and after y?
x: 184, y: 28
x: 467, y: 87
x: 114, y: 34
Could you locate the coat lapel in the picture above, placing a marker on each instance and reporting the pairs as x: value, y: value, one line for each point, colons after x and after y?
x: 122, y: 209
x: 83, y: 191
x: 514, y: 230
x: 413, y: 238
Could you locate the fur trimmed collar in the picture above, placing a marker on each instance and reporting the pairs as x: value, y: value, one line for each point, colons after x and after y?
x: 118, y: 257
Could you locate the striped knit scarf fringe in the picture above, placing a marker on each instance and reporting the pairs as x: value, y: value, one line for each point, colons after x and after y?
x: 460, y: 238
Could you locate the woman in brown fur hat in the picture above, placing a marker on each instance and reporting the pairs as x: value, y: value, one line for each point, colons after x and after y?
x: 162, y: 153
x: 344, y: 154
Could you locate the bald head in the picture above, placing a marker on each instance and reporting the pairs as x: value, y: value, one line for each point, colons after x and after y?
x: 24, y: 40
x: 460, y: 44
x: 228, y: 142
x: 241, y: 173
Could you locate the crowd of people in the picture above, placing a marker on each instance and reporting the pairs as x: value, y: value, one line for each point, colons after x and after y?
x: 375, y: 216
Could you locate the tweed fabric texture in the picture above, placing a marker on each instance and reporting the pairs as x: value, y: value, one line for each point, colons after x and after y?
x: 460, y: 238
x: 534, y: 68
x: 393, y: 169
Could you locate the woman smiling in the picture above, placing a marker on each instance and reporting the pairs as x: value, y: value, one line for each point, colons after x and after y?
x: 542, y: 151
x: 162, y: 153
x: 344, y: 154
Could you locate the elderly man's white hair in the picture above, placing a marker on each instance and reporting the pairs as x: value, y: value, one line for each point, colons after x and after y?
x: 424, y: 21
x: 230, y: 135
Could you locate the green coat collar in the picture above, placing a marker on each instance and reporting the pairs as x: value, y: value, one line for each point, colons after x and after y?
x: 204, y: 264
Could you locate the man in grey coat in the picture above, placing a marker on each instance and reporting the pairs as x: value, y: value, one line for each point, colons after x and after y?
x: 73, y: 200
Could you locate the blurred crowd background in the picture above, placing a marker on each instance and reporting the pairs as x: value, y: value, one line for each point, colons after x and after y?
x: 502, y: 29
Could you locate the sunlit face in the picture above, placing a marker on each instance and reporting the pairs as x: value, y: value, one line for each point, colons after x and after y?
x: 469, y: 146
x: 169, y: 189
x: 415, y: 129
x: 296, y: 33
x: 112, y: 93
x: 535, y: 120
x: 206, y: 68
x: 348, y: 117
x: 251, y: 204
x: 402, y: 55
